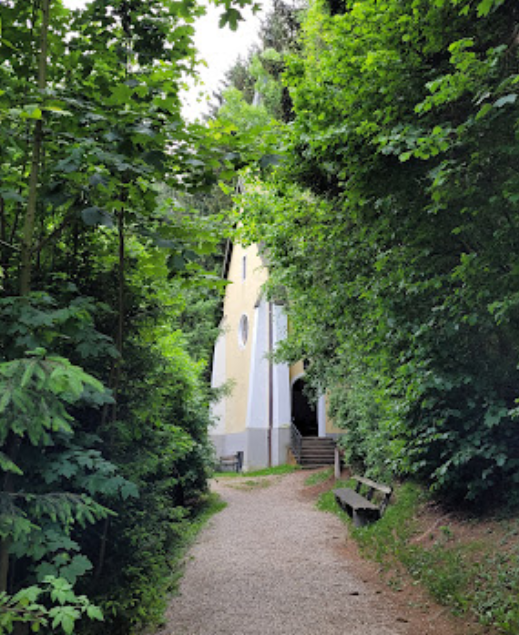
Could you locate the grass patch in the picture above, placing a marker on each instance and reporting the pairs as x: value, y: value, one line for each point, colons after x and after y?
x: 392, y: 532
x: 327, y: 503
x: 476, y: 573
x: 320, y: 477
x: 218, y: 475
x: 208, y: 505
x: 270, y: 471
x: 496, y: 587
x: 267, y: 471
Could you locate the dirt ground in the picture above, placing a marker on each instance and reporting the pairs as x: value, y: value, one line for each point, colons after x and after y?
x: 416, y: 608
x: 271, y: 564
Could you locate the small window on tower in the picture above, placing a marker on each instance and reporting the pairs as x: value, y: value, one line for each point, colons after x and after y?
x: 243, y: 268
x: 243, y: 331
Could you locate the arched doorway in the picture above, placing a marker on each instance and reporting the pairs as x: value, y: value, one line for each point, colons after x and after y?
x: 304, y: 413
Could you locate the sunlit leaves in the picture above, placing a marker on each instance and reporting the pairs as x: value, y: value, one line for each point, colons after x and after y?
x: 486, y: 6
x: 111, y: 240
x: 31, y: 606
x: 396, y: 249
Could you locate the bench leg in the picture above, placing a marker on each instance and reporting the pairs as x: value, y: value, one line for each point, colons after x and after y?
x: 363, y: 519
x: 358, y: 519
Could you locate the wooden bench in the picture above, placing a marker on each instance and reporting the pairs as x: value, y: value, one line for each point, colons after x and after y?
x: 362, y: 508
x: 231, y: 463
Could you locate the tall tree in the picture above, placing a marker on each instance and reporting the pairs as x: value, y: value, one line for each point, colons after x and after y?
x: 96, y: 260
x: 391, y: 227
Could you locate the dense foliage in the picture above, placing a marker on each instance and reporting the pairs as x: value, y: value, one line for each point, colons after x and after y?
x: 108, y: 308
x: 388, y: 212
x: 391, y: 233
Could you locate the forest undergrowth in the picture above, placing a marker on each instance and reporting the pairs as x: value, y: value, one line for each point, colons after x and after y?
x: 467, y: 563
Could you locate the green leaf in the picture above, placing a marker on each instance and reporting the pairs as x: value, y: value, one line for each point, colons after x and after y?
x: 78, y: 566
x: 5, y: 400
x: 28, y: 374
x: 231, y: 17
x: 486, y: 6
x: 11, y: 195
x: 94, y: 613
x: 62, y: 591
x: 28, y: 595
x: 93, y: 216
x: 155, y: 158
x: 45, y: 569
x: 484, y: 110
x: 69, y: 164
x: 507, y: 99
x: 270, y: 159
x: 57, y: 111
x: 7, y: 465
x: 129, y: 490
x: 121, y: 94
x: 98, y: 179
x: 32, y: 111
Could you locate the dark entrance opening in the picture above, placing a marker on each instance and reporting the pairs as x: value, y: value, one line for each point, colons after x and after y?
x: 304, y: 415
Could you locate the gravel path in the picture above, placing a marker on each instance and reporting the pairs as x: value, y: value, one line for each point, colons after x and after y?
x: 269, y: 564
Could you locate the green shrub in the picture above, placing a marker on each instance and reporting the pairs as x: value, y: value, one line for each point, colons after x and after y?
x: 480, y: 578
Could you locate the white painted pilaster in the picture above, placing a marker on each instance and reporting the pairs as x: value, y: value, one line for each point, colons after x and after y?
x: 258, y: 398
x: 321, y: 416
x: 281, y: 373
x: 218, y: 379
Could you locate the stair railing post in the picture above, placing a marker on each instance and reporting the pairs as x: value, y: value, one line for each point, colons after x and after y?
x: 296, y: 443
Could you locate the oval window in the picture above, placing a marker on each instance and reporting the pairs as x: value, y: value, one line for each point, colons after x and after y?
x: 243, y: 331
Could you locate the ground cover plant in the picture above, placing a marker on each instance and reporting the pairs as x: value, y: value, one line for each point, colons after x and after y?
x: 109, y: 306
x: 467, y: 564
x: 381, y: 184
x: 388, y: 222
x: 319, y: 477
x: 267, y: 471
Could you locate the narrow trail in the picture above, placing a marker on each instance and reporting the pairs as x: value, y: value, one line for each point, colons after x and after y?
x: 271, y: 564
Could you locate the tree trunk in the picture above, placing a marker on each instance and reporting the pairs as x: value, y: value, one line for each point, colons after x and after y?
x: 37, y: 144
x: 8, y: 487
x: 4, y: 563
x: 119, y: 338
x: 115, y: 374
x: 27, y: 246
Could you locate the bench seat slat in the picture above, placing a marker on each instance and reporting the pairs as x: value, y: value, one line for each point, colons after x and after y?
x: 350, y: 498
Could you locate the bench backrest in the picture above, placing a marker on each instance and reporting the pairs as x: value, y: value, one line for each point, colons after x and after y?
x: 372, y: 487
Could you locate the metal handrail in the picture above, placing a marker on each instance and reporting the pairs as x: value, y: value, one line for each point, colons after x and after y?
x: 296, y: 442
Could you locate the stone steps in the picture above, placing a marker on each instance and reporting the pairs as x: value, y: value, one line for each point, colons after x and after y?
x: 316, y: 452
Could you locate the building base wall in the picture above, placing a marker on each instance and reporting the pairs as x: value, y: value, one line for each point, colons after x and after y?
x: 226, y: 444
x: 254, y: 444
x: 257, y: 453
x: 280, y: 444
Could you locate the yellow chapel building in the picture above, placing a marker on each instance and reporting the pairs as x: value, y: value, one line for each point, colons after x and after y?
x: 264, y: 413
